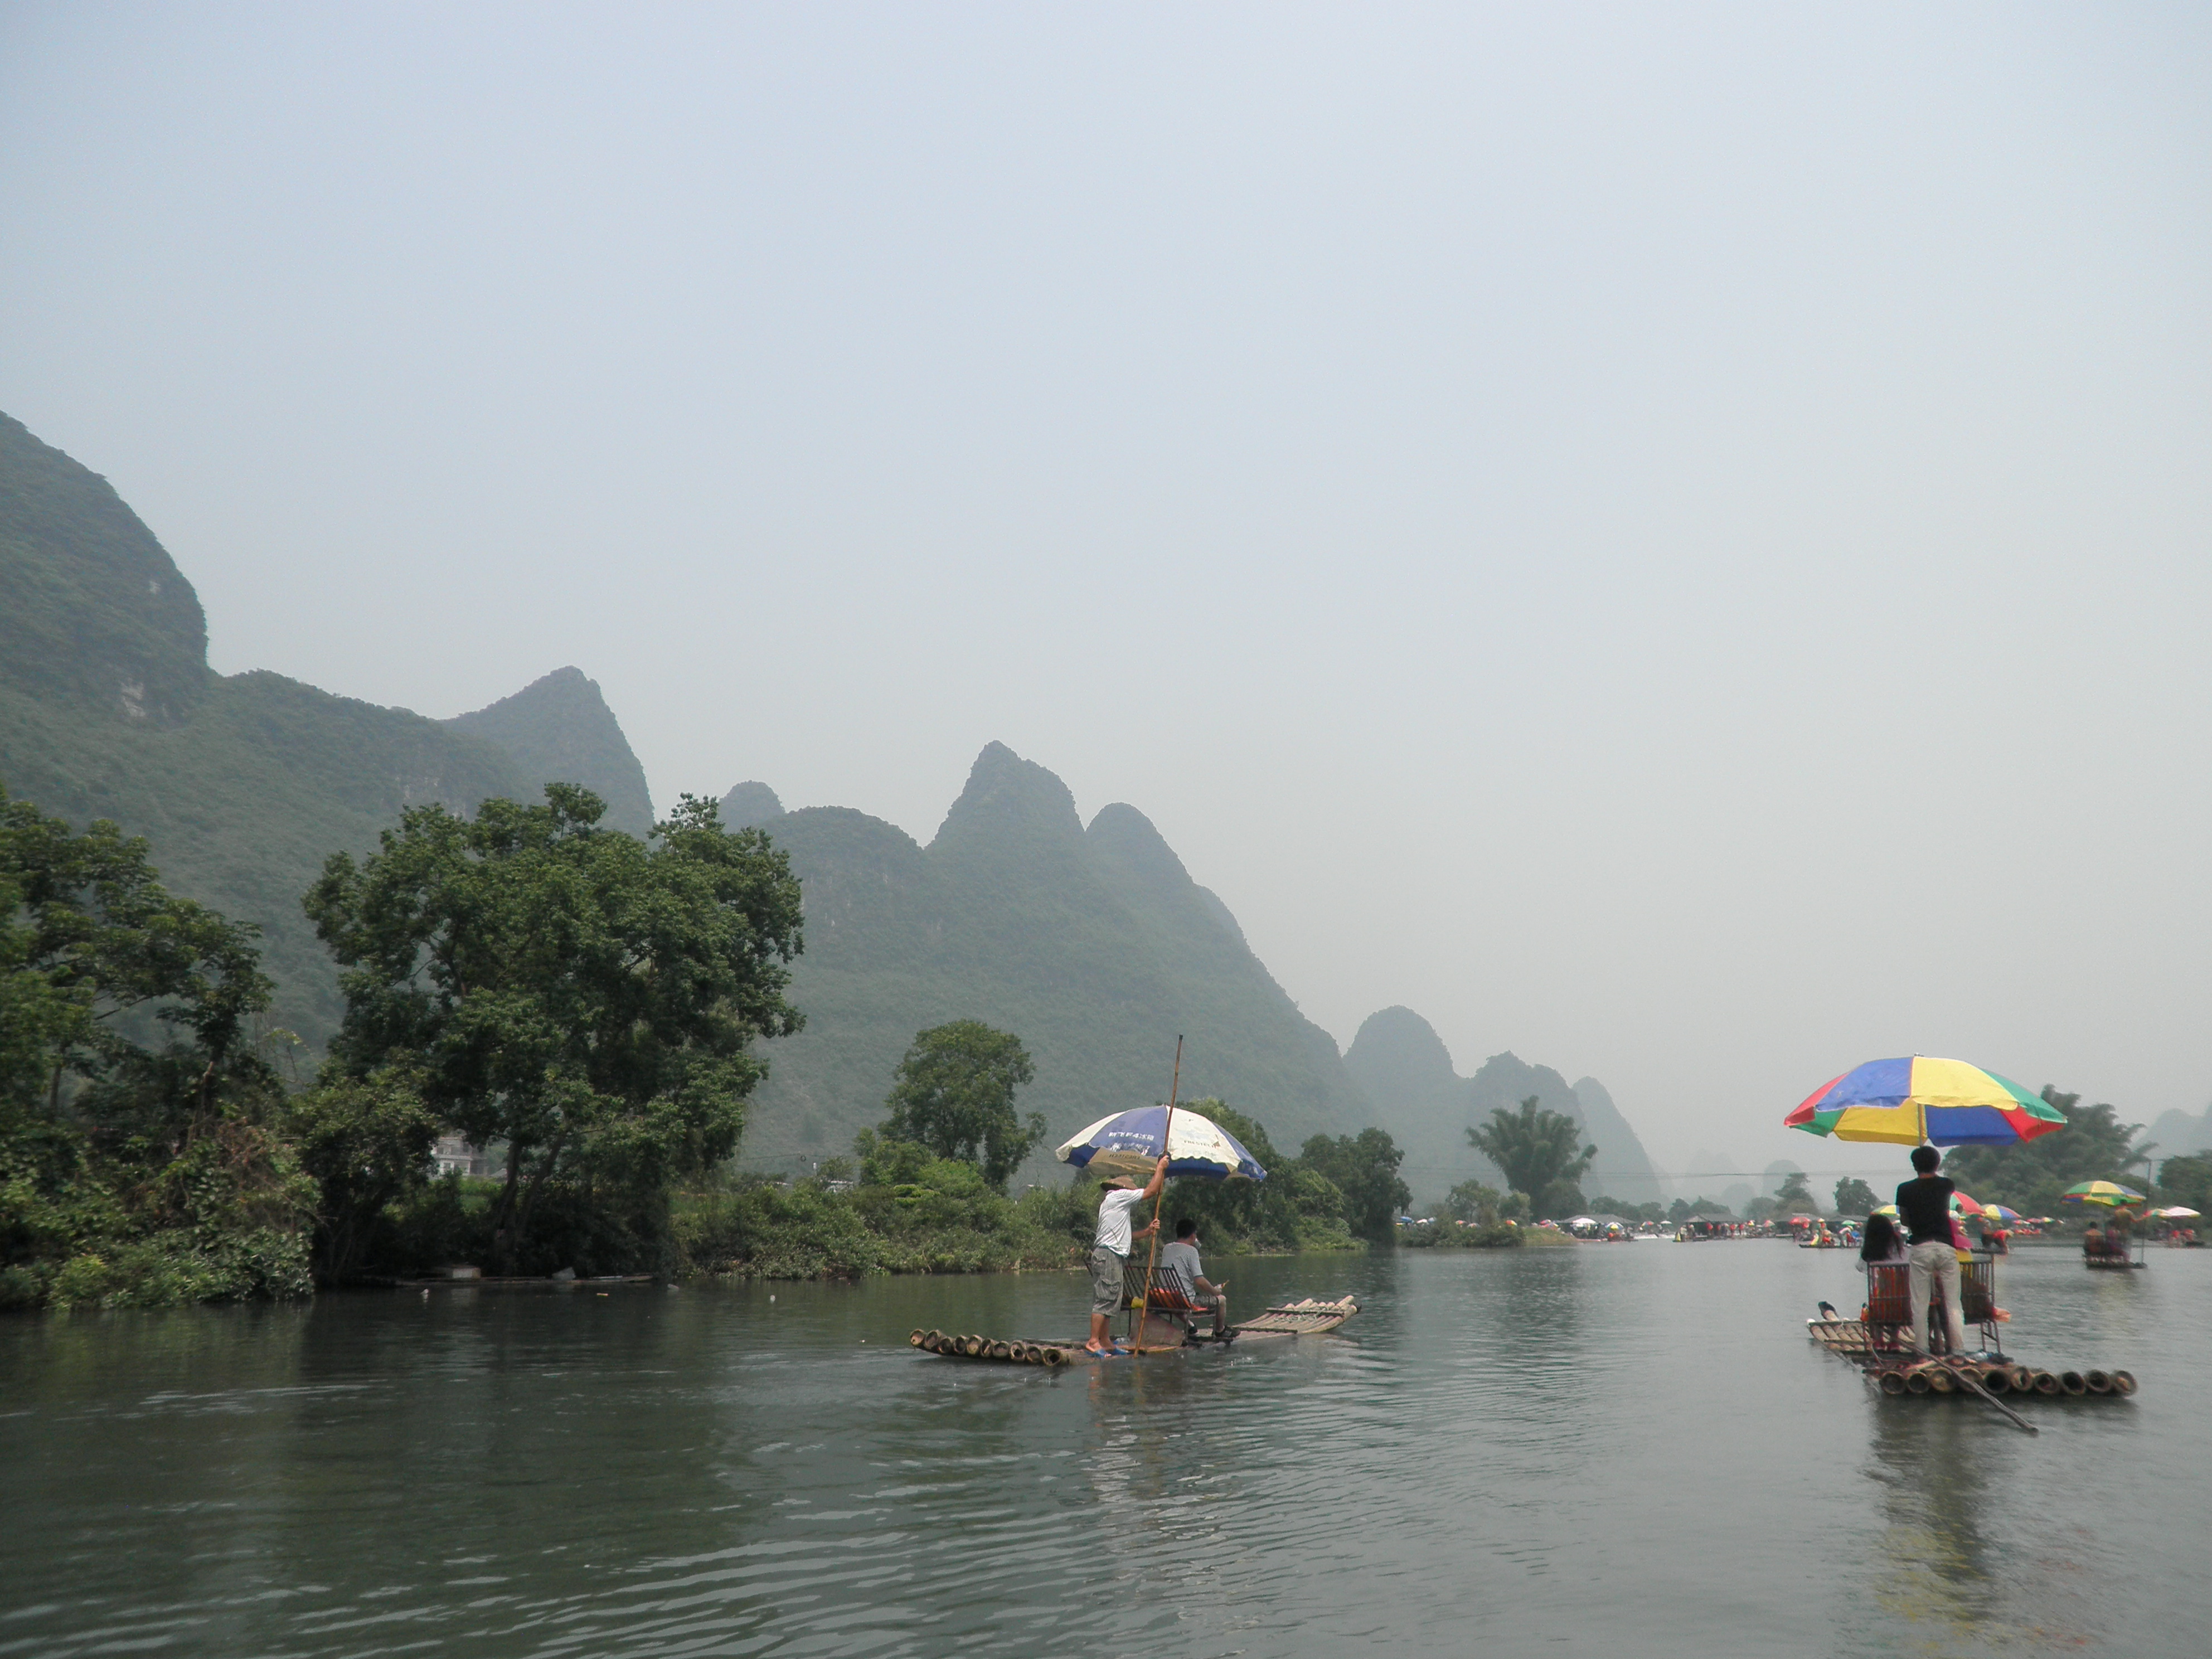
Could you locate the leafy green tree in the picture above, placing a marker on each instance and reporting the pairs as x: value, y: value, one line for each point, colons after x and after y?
x: 1855, y: 1197
x: 139, y: 1158
x: 589, y: 999
x: 2187, y: 1180
x: 955, y: 1095
x: 1296, y: 1207
x: 366, y: 1141
x: 2094, y: 1146
x: 1475, y: 1201
x: 1364, y: 1167
x: 1534, y: 1148
x: 1795, y: 1197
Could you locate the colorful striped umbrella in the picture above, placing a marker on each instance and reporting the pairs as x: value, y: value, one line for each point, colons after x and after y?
x: 1920, y: 1098
x: 1129, y: 1144
x: 2102, y: 1192
x: 1998, y: 1212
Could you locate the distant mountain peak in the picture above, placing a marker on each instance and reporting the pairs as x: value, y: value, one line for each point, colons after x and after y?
x: 1396, y: 1049
x: 1008, y: 795
x: 559, y: 729
x: 96, y: 613
x: 749, y: 805
x: 1121, y: 832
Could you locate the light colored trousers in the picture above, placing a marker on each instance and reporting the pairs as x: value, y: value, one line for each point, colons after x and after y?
x: 1932, y: 1265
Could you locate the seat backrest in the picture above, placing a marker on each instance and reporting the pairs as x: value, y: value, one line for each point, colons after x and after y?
x: 1168, y: 1289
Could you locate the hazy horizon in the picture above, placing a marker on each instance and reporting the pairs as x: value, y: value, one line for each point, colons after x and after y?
x: 1673, y: 542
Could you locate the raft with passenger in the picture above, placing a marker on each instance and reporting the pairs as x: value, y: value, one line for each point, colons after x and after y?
x: 1879, y: 1343
x: 1164, y: 1331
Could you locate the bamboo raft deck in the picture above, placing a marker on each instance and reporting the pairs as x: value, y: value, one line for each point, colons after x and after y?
x: 539, y: 1283
x: 1896, y: 1371
x: 1308, y: 1317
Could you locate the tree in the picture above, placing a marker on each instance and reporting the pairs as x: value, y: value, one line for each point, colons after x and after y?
x: 1795, y: 1196
x: 587, y: 998
x: 1364, y: 1169
x: 1475, y: 1201
x: 1536, y: 1150
x: 2187, y: 1180
x: 366, y: 1141
x: 139, y: 1158
x: 1855, y: 1197
x: 1296, y: 1207
x: 2030, y: 1175
x: 955, y: 1095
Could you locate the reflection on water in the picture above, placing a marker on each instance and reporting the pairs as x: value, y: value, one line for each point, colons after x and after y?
x: 1625, y: 1447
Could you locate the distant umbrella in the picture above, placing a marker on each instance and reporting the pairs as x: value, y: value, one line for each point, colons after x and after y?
x: 1998, y: 1212
x: 2108, y: 1193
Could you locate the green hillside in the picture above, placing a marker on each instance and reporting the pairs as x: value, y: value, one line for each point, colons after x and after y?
x: 1404, y: 1069
x: 1095, y: 947
x: 244, y: 784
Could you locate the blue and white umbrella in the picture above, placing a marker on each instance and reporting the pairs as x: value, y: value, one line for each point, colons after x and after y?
x: 1129, y: 1144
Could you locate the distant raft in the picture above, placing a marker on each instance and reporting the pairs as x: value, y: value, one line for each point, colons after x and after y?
x: 1309, y: 1317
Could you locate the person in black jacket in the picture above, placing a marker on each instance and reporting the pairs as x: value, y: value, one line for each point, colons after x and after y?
x: 1924, y: 1205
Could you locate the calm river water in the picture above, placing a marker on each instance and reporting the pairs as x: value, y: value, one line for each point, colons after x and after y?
x: 1627, y: 1449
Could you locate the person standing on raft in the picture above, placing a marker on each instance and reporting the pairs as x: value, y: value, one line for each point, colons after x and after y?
x: 1923, y: 1205
x: 1110, y: 1252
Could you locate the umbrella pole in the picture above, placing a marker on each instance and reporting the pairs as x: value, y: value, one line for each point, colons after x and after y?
x: 1152, y: 1256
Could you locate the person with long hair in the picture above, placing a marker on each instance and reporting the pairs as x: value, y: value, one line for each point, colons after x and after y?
x: 1882, y: 1243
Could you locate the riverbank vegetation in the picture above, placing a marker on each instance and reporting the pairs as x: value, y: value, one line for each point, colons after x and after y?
x: 145, y: 1158
x: 585, y: 1004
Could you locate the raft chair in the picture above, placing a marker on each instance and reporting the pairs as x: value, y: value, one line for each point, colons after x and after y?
x: 1889, y: 1306
x: 1165, y: 1296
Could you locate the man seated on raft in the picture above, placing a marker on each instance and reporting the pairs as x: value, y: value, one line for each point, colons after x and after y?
x: 1110, y: 1254
x: 1182, y: 1257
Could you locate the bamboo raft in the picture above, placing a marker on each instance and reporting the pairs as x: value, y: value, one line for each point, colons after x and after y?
x: 1896, y: 1371
x: 1307, y: 1318
x: 451, y: 1283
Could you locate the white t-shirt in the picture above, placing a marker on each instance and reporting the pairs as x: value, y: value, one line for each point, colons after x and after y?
x: 1114, y: 1217
x: 1183, y: 1259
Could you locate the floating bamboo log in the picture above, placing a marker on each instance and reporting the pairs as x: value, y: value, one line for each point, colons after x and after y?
x: 2073, y: 1382
x: 1002, y: 1351
x: 1894, y: 1383
x: 2123, y: 1382
x: 2046, y: 1382
x: 1997, y: 1379
x: 2023, y: 1380
x: 2099, y: 1382
x: 1940, y: 1380
x: 1915, y: 1380
x: 914, y: 1337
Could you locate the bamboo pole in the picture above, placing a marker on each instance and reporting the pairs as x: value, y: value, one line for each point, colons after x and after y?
x: 1974, y: 1385
x: 1152, y: 1256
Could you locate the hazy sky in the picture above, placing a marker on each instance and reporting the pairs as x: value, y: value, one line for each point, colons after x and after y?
x: 1672, y: 540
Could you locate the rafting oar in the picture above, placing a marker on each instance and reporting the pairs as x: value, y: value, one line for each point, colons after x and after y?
x: 1152, y: 1257
x: 1965, y: 1375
